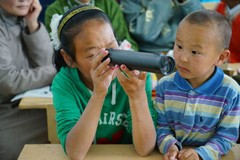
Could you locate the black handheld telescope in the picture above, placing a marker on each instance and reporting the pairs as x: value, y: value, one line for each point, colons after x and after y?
x: 150, y: 62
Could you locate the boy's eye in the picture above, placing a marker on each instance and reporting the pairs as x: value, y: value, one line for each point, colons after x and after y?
x: 179, y: 47
x: 195, y: 52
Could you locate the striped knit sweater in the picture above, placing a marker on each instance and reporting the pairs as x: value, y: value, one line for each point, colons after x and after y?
x: 206, y: 117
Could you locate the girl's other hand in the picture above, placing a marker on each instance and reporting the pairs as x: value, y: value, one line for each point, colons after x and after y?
x: 133, y: 81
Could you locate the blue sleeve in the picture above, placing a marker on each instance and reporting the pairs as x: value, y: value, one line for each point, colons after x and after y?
x: 165, y: 136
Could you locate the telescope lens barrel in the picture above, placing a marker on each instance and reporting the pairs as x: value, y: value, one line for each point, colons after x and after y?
x: 150, y: 62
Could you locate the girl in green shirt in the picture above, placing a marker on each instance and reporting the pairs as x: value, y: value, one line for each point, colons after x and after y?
x: 94, y: 101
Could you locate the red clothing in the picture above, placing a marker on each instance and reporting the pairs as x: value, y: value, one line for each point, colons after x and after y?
x: 235, y: 39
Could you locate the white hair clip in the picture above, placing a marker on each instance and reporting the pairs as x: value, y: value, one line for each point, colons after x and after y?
x: 54, y: 31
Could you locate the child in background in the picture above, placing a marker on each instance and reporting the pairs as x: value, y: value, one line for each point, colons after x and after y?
x: 153, y: 23
x: 25, y: 64
x: 198, y: 105
x: 95, y: 102
x: 231, y: 10
x: 110, y: 7
x: 45, y: 4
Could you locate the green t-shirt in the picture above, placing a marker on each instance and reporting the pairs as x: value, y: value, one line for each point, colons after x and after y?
x: 70, y: 97
x: 110, y: 7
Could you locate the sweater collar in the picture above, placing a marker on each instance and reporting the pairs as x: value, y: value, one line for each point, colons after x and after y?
x: 208, y: 87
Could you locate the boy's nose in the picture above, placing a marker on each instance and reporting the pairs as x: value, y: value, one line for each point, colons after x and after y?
x: 183, y: 57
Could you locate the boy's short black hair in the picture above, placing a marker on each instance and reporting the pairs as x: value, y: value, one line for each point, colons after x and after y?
x: 215, y: 20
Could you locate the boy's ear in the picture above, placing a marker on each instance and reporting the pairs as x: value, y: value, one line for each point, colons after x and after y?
x: 68, y: 60
x: 223, y: 57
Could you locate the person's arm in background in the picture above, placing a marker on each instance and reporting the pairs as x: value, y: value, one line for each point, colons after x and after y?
x: 36, y: 38
x: 115, y: 15
x: 39, y: 48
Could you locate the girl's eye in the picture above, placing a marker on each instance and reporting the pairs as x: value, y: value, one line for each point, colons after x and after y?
x: 90, y: 56
x: 92, y: 53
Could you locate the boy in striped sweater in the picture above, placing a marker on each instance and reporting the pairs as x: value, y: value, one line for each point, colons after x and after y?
x: 198, y: 105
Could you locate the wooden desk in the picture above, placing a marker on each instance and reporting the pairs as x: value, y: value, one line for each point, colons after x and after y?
x: 43, y: 103
x: 234, y: 67
x: 99, y: 152
x: 210, y: 5
x: 230, y: 68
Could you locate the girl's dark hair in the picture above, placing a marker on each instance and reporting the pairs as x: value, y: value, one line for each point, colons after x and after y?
x: 71, y: 28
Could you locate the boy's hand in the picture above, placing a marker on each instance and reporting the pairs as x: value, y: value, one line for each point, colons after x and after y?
x: 172, y: 153
x: 32, y: 16
x: 189, y: 154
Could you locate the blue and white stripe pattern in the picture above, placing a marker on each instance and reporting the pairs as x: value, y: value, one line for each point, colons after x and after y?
x: 206, y: 117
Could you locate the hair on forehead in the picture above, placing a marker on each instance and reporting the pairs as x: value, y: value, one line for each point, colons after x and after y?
x: 71, y: 25
x: 80, y: 14
x: 213, y: 19
x: 74, y: 25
